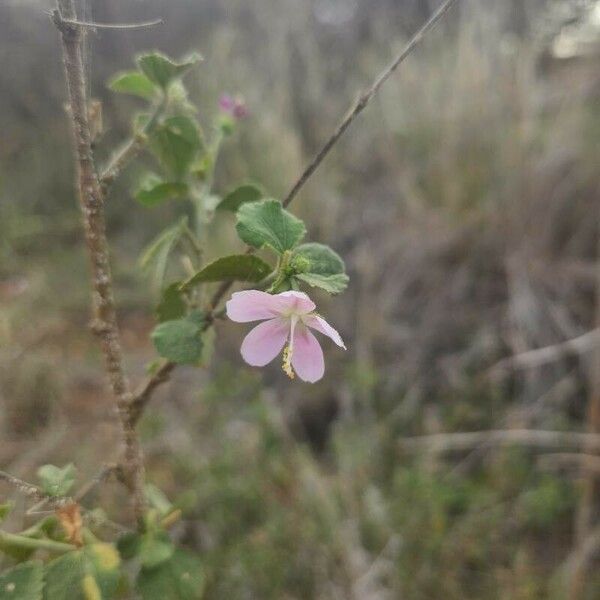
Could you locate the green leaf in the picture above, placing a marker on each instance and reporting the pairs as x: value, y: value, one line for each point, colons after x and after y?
x: 129, y: 545
x: 23, y: 582
x: 155, y: 191
x: 5, y: 509
x: 319, y: 266
x: 172, y: 305
x: 155, y: 548
x: 157, y: 499
x: 242, y: 194
x: 238, y: 267
x: 157, y: 252
x: 179, y: 340
x: 91, y: 573
x: 161, y: 70
x: 173, y: 149
x: 179, y: 578
x: 266, y: 223
x: 334, y: 284
x: 132, y: 82
x: 187, y: 128
x: 56, y: 481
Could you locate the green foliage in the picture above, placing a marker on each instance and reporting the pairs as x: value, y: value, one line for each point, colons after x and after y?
x: 180, y: 577
x: 173, y: 148
x: 180, y: 340
x: 268, y: 224
x: 238, y: 267
x: 55, y: 481
x: 161, y: 70
x: 91, y: 573
x: 156, y: 255
x: 154, y: 190
x: 319, y: 266
x: 23, y: 582
x: 5, y: 509
x: 172, y: 305
x: 240, y: 195
x: 134, y: 83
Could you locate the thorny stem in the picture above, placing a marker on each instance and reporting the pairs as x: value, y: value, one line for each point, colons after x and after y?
x: 147, y: 389
x: 91, y: 199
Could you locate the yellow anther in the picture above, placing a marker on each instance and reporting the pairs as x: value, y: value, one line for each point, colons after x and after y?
x: 287, y: 362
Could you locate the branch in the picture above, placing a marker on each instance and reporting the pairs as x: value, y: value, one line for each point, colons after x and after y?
x: 541, y: 356
x: 87, y: 24
x: 130, y: 149
x: 364, y: 100
x: 146, y: 390
x: 33, y: 491
x: 91, y: 199
x: 452, y: 442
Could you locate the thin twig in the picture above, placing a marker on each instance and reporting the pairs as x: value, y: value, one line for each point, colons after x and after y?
x: 91, y: 199
x: 146, y: 389
x: 542, y: 356
x: 452, y: 442
x: 87, y: 24
x: 364, y: 100
x: 33, y: 491
x: 130, y: 149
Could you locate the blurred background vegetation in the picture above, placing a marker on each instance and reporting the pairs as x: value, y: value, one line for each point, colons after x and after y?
x: 465, y: 203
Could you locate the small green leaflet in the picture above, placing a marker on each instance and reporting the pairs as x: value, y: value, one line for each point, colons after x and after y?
x: 172, y: 305
x: 319, y: 266
x: 55, y: 481
x: 92, y: 572
x: 267, y: 223
x: 242, y: 194
x: 155, y: 191
x: 181, y: 577
x: 180, y: 340
x: 134, y: 83
x: 23, y: 582
x: 160, y: 69
x: 174, y: 150
x: 238, y: 267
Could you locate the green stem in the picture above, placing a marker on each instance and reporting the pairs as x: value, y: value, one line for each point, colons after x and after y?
x: 35, y: 544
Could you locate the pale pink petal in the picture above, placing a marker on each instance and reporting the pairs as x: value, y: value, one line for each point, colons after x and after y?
x: 296, y: 302
x: 321, y: 325
x: 252, y: 305
x: 265, y: 342
x: 307, y: 356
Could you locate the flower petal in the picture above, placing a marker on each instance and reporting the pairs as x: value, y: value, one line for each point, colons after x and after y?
x: 321, y: 325
x: 265, y: 342
x: 252, y: 305
x: 307, y: 356
x: 295, y: 302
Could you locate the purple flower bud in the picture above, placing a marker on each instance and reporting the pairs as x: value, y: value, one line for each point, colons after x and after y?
x: 233, y: 106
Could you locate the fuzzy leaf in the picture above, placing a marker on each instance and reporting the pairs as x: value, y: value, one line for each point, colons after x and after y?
x: 172, y: 305
x: 172, y: 149
x: 134, y: 83
x: 238, y: 267
x: 187, y: 128
x: 23, y: 582
x: 242, y: 194
x: 87, y: 574
x: 155, y: 191
x: 160, y: 69
x: 179, y: 578
x: 334, y: 284
x: 155, y: 548
x: 56, y: 481
x: 319, y: 266
x: 157, y: 252
x: 267, y: 223
x: 180, y: 340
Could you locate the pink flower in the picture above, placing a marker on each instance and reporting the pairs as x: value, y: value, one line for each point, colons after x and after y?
x: 234, y: 107
x: 286, y: 318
